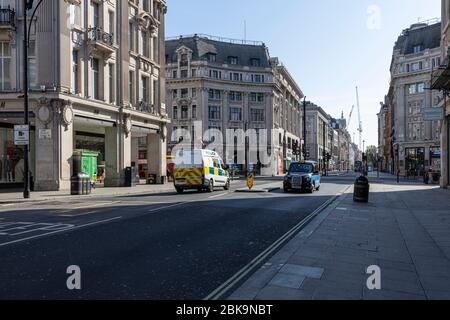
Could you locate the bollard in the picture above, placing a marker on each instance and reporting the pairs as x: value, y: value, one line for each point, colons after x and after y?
x: 84, y: 184
x: 361, y: 190
x: 88, y: 185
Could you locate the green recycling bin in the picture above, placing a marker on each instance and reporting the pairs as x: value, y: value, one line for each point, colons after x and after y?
x: 86, y: 162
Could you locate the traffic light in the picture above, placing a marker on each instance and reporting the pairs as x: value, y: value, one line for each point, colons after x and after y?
x: 294, y: 148
x: 328, y: 156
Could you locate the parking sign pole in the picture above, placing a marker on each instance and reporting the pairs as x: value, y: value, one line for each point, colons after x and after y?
x: 26, y: 191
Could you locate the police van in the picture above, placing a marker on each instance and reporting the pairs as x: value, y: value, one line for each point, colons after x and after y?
x: 200, y: 170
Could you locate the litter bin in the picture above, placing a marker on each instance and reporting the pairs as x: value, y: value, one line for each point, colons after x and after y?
x: 76, y: 184
x: 151, y: 179
x: 130, y: 177
x: 361, y: 190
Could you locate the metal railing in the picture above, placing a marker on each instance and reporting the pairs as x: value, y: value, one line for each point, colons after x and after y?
x: 7, y: 17
x: 440, y: 77
x: 145, y: 106
x: 219, y: 39
x: 98, y: 34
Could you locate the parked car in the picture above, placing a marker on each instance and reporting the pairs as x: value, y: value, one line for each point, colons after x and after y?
x: 302, y: 176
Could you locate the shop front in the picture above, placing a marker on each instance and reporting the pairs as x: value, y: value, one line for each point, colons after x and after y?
x: 89, y: 154
x: 12, y: 169
x: 415, y: 162
x: 435, y: 159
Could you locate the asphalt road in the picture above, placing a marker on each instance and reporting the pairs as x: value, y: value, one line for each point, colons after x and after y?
x: 156, y: 246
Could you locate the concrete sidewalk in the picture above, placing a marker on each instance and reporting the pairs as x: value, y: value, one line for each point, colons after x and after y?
x: 404, y: 229
x: 13, y: 197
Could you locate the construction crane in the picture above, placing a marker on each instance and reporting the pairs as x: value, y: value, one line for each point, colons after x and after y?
x: 350, y: 117
x: 360, y: 130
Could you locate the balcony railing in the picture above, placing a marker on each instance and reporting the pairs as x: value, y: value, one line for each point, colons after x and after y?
x: 7, y: 17
x: 440, y: 77
x: 98, y: 35
x: 144, y: 106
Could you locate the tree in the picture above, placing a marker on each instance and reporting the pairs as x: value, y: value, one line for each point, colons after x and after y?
x: 371, y: 153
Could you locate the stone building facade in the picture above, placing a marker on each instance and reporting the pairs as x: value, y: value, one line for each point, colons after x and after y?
x: 441, y: 84
x: 417, y: 141
x: 318, y: 125
x: 96, y: 84
x: 218, y: 83
x: 382, y: 121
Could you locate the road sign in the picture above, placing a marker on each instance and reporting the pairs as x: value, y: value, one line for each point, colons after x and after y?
x: 21, y: 135
x: 250, y: 180
x: 433, y: 114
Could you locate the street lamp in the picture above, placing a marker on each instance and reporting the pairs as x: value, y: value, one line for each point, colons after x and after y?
x: 27, y: 5
x: 304, y: 128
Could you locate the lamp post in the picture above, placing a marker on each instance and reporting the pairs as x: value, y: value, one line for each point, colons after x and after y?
x: 26, y: 191
x: 304, y: 128
x: 27, y: 5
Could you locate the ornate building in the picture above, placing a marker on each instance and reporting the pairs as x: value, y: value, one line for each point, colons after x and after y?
x: 318, y: 125
x: 416, y: 140
x: 231, y: 84
x: 441, y: 83
x: 96, y: 84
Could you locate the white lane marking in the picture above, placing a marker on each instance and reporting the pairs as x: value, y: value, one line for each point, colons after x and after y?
x: 218, y: 195
x: 59, y: 231
x: 171, y: 206
x: 91, y: 206
x: 19, y: 228
x: 8, y: 205
x: 79, y: 215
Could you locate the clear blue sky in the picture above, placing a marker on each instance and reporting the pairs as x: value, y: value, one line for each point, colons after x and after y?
x: 329, y: 46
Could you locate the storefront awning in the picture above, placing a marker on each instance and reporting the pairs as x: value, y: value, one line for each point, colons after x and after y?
x: 143, y: 130
x: 93, y: 122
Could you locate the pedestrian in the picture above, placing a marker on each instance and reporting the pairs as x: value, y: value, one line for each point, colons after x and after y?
x: 426, y: 177
x: 398, y: 175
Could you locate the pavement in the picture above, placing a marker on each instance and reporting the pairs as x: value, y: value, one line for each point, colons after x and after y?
x: 17, y: 196
x: 403, y: 231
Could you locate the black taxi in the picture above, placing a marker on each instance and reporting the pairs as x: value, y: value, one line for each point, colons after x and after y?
x: 302, y: 176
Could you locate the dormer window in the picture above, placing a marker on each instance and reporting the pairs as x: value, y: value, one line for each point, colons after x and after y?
x: 212, y: 57
x: 254, y: 62
x: 233, y: 60
x: 417, y: 49
x: 184, y: 60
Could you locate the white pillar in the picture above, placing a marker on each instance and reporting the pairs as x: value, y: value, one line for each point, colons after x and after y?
x: 53, y: 145
x: 117, y: 155
x: 156, y: 156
